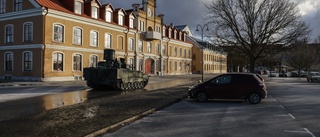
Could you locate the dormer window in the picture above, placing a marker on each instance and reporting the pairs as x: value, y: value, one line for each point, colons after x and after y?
x: 170, y: 33
x: 2, y: 6
x: 108, y: 16
x: 78, y: 7
x: 180, y: 36
x: 94, y: 12
x: 120, y: 19
x: 131, y: 21
x: 175, y: 34
x: 17, y: 5
x: 164, y: 31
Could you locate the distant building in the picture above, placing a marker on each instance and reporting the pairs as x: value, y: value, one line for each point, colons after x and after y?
x: 53, y: 40
x: 215, y: 59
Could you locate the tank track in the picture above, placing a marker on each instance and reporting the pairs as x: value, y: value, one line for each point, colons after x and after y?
x: 130, y: 86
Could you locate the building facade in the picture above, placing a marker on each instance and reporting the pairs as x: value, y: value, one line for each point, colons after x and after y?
x: 213, y: 57
x: 53, y: 40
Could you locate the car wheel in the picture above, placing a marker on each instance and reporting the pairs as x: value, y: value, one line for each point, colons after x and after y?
x: 254, y: 98
x: 202, y: 97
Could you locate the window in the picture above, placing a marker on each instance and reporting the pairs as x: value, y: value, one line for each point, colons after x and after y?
x: 27, y: 61
x: 77, y: 62
x: 107, y: 40
x: 57, y: 61
x: 170, y: 65
x: 141, y: 64
x: 158, y: 48
x: 140, y: 46
x: 141, y: 25
x: 94, y: 38
x: 175, y: 51
x: 149, y: 47
x: 108, y: 16
x: 164, y: 65
x: 175, y: 66
x: 189, y: 53
x: 170, y: 52
x: 131, y: 63
x: 8, y: 61
x: 77, y: 36
x: 131, y: 23
x: 94, y: 12
x: 185, y: 52
x: 164, y: 31
x: 158, y: 65
x: 27, y: 32
x: 164, y: 51
x: 93, y: 61
x: 131, y: 44
x: 222, y: 80
x: 78, y: 7
x: 175, y: 35
x: 9, y: 34
x: 120, y: 19
x: 2, y: 6
x: 180, y: 65
x: 170, y: 33
x: 180, y: 38
x: 58, y: 33
x: 180, y: 52
x: 17, y: 5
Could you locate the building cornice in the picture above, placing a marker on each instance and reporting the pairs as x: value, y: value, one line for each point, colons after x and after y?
x: 13, y: 47
x: 21, y: 14
x: 56, y: 47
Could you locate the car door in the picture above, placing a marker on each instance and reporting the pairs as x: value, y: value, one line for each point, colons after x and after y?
x: 219, y: 87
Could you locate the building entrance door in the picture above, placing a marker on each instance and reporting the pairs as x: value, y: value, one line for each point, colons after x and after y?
x: 149, y: 69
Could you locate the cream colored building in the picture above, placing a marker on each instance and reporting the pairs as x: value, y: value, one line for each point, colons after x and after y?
x: 215, y: 60
x: 53, y: 40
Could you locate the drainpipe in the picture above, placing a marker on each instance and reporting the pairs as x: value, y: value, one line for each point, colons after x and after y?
x: 42, y: 56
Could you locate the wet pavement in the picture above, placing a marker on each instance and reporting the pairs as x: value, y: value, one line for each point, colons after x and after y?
x: 59, y: 111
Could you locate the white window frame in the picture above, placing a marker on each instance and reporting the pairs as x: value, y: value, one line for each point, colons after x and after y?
x: 164, y: 31
x: 75, y: 64
x: 157, y: 48
x: 108, y: 16
x: 9, y: 36
x: 164, y: 51
x: 140, y: 46
x: 94, y: 41
x: 77, y: 37
x: 58, y: 36
x: 78, y: 7
x: 107, y: 40
x: 2, y: 6
x: 93, y: 60
x: 149, y: 47
x: 121, y: 19
x: 94, y: 12
x: 131, y: 22
x: 10, y: 59
x: 62, y: 61
x: 17, y: 5
x: 27, y: 33
x: 29, y: 61
x: 131, y: 44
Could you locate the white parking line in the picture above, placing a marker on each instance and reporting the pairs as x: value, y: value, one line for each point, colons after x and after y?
x: 305, y: 131
x: 291, y: 116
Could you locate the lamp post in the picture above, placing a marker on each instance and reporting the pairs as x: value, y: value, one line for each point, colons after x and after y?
x: 207, y: 29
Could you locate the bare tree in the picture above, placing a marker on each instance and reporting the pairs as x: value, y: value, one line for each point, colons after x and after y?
x: 256, y: 28
x: 302, y: 56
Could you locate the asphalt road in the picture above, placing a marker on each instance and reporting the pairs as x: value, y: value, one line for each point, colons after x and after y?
x: 292, y: 109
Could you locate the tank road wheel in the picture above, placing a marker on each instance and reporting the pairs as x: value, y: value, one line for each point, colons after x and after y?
x: 135, y: 85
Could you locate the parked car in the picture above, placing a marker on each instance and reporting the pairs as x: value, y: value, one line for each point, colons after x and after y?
x: 313, y: 77
x: 296, y: 73
x: 230, y: 86
x: 272, y: 74
x: 260, y: 77
x: 283, y: 74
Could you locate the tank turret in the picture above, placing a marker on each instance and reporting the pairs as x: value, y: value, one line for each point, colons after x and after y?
x: 112, y: 74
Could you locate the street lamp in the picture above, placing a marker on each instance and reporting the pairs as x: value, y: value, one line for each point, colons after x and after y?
x: 201, y: 28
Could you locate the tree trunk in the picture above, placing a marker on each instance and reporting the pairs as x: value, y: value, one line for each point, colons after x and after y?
x: 252, y: 64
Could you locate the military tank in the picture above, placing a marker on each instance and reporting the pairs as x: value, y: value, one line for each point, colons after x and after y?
x: 112, y: 74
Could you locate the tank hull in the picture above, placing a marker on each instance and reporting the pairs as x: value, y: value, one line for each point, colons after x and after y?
x: 117, y: 79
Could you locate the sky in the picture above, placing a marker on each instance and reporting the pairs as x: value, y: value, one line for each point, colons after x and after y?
x: 191, y: 12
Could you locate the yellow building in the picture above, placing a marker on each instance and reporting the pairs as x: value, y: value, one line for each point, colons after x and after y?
x: 215, y: 60
x: 53, y: 40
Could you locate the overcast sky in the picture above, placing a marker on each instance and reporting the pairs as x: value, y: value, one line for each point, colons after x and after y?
x: 191, y: 12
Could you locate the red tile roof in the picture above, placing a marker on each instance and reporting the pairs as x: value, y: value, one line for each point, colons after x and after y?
x: 53, y: 4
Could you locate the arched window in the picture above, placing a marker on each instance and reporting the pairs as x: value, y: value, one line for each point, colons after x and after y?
x: 107, y: 40
x: 77, y: 62
x: 9, y: 33
x: 93, y: 38
x: 77, y: 36
x: 93, y: 61
x: 8, y: 58
x: 27, y: 61
x: 57, y: 59
x: 27, y: 32
x: 58, y: 34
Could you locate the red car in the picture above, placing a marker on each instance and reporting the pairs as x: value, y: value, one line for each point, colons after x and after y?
x: 246, y: 86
